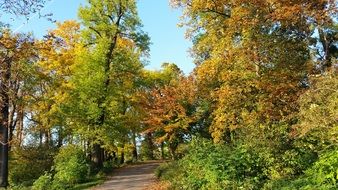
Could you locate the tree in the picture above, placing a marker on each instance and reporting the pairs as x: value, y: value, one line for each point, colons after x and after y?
x: 17, y: 8
x: 318, y: 126
x: 107, y: 69
x: 250, y: 84
x: 169, y: 107
x: 17, y: 53
x: 51, y: 82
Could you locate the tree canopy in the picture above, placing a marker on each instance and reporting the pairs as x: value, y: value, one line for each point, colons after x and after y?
x: 259, y: 111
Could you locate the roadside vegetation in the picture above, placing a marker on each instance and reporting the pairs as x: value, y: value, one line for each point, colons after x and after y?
x: 259, y: 111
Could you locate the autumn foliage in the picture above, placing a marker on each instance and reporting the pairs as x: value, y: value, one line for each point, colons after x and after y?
x: 259, y: 111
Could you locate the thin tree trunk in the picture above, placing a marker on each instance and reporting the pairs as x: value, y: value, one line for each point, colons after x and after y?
x: 162, y: 151
x: 19, y: 128
x: 48, y: 138
x: 327, y: 54
x: 122, y: 155
x: 60, y: 138
x: 114, y: 157
x: 40, y: 138
x: 135, y: 156
x: 172, y: 150
x: 11, y: 123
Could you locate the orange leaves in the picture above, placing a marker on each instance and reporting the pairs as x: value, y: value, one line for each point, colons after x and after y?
x: 251, y: 56
x: 167, y: 108
x: 16, y: 46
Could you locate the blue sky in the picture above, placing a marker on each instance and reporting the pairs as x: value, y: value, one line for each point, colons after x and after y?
x: 159, y: 20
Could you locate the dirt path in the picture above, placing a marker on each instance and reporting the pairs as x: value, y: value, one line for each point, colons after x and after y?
x: 135, y: 177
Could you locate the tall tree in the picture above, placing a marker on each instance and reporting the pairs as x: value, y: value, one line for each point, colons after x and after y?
x: 233, y: 41
x: 114, y: 40
x: 169, y: 106
x: 16, y: 52
x: 14, y: 8
x: 51, y: 83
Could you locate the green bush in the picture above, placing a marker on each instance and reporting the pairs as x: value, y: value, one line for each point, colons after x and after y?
x: 28, y: 163
x: 167, y: 171
x: 220, y: 166
x: 44, y: 182
x: 108, y: 166
x: 325, y: 171
x: 323, y: 175
x: 212, y: 166
x: 71, y: 166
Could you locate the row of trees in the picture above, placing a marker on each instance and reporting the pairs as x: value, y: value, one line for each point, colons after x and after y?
x: 84, y: 83
x: 265, y: 80
x: 264, y: 92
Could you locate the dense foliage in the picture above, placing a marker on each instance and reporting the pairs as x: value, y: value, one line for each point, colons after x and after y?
x: 266, y: 76
x: 70, y: 167
x: 259, y: 111
x: 29, y: 163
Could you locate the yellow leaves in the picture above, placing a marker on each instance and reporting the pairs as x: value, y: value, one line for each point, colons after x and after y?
x: 7, y: 40
x: 126, y: 43
x: 68, y: 31
x: 59, y: 49
x: 57, y: 57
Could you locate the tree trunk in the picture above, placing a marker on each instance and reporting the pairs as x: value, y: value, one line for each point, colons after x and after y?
x: 4, y: 111
x: 150, y: 146
x: 11, y: 123
x: 326, y: 43
x: 60, y: 138
x: 162, y: 151
x: 97, y: 156
x: 47, y: 138
x: 4, y: 145
x: 172, y: 150
x: 114, y: 157
x: 40, y: 137
x: 19, y: 128
x: 122, y: 155
x: 135, y: 156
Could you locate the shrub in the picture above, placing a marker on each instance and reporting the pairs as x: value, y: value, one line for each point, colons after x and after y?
x: 323, y: 175
x: 216, y: 166
x: 71, y: 166
x: 325, y: 170
x: 44, y: 182
x: 212, y: 166
x: 28, y: 163
x: 109, y: 165
x: 167, y: 171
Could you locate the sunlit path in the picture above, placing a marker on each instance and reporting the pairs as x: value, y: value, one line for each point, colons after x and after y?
x: 135, y: 177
